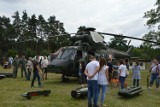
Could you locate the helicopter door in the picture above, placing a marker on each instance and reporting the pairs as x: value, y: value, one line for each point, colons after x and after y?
x: 82, y: 55
x: 85, y: 56
x: 76, y: 63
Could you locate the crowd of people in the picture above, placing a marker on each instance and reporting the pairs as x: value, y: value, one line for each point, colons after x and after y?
x: 100, y: 74
x: 37, y: 66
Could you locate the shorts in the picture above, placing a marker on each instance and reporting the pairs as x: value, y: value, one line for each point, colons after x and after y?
x: 44, y: 70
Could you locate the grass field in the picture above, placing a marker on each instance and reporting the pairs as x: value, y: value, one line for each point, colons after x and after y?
x: 11, y: 90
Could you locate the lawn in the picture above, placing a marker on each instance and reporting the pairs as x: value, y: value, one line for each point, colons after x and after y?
x: 11, y: 90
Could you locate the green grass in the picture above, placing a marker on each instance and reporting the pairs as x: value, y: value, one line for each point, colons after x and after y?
x: 11, y: 90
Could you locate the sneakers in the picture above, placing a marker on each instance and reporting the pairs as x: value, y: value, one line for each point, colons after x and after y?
x: 104, y: 105
x: 32, y: 86
x: 149, y: 87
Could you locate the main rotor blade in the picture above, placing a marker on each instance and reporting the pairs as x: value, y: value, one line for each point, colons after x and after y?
x: 110, y: 34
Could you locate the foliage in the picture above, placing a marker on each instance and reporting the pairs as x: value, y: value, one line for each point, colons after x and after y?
x: 33, y: 33
x: 29, y: 53
x: 153, y: 17
x: 118, y: 43
x: 45, y: 52
x: 145, y: 52
x: 12, y: 52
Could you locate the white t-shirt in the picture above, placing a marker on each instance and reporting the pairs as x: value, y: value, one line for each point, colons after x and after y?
x: 91, y: 68
x: 123, y: 69
x: 102, y: 80
x: 29, y: 64
x: 44, y: 63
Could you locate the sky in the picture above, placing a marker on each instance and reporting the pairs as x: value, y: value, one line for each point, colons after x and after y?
x: 111, y: 16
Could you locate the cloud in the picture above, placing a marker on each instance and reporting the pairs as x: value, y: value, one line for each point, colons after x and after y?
x: 114, y: 16
x: 12, y: 1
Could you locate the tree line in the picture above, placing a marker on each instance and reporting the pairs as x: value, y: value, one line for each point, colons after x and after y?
x: 31, y: 35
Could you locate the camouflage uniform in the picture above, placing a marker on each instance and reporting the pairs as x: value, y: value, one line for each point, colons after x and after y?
x: 15, y: 67
x: 23, y: 67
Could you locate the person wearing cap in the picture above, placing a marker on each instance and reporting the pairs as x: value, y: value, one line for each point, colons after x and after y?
x: 91, y: 71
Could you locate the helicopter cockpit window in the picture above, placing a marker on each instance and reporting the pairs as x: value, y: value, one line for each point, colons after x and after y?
x: 66, y: 54
x: 60, y: 54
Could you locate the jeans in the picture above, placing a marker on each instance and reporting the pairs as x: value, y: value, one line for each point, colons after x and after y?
x: 80, y: 76
x: 136, y: 82
x: 103, y: 93
x: 154, y: 77
x: 29, y: 74
x: 36, y: 75
x: 92, y: 92
x: 121, y: 79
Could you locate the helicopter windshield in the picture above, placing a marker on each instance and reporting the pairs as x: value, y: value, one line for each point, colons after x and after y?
x: 66, y: 54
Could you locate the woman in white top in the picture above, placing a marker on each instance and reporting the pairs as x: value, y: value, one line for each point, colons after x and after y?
x: 103, y: 79
x: 122, y: 73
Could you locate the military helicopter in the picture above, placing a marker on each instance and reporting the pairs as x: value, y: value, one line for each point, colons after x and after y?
x: 87, y: 42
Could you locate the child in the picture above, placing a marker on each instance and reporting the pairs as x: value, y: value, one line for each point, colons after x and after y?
x: 82, y: 76
x: 136, y: 74
x: 80, y: 73
x: 114, y: 80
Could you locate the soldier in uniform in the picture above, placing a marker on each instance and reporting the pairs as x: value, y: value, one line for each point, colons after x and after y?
x: 15, y: 66
x: 23, y: 62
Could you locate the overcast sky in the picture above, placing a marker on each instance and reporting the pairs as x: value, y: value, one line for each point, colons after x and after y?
x: 112, y: 16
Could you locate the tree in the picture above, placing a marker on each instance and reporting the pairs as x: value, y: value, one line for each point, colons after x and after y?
x: 118, y: 43
x: 31, y: 35
x: 6, y: 33
x: 56, y: 34
x: 153, y: 17
x: 17, y: 25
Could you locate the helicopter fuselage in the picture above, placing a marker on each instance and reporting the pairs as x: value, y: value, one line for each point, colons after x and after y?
x: 67, y: 60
